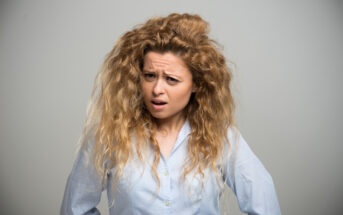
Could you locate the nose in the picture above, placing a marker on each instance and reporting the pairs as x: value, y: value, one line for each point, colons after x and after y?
x: 158, y: 87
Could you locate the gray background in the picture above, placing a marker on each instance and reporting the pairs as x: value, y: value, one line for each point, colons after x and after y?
x: 287, y: 83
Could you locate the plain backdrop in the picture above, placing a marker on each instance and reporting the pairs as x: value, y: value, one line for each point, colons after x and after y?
x: 288, y: 60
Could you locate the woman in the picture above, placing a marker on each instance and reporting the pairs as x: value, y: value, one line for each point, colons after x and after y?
x: 160, y: 135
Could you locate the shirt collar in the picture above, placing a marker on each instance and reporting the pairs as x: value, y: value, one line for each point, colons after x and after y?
x: 184, y: 132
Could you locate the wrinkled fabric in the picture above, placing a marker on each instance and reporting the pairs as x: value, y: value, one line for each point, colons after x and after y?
x: 137, y: 191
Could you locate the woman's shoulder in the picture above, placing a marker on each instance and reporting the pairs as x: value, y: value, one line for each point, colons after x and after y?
x: 237, y: 147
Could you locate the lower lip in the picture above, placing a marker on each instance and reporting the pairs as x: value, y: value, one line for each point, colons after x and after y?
x: 158, y: 107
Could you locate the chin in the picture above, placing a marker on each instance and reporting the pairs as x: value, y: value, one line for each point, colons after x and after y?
x: 158, y: 116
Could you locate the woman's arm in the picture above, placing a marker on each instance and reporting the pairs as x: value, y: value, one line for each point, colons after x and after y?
x: 249, y: 180
x: 84, y: 186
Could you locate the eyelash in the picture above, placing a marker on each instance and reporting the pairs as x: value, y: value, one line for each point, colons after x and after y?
x: 150, y: 75
x: 172, y: 79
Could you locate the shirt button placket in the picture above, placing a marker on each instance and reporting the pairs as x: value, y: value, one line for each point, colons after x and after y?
x: 167, y: 203
x: 168, y: 190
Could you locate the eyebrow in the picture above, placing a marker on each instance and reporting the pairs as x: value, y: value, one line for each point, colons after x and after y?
x: 165, y: 73
x: 147, y: 70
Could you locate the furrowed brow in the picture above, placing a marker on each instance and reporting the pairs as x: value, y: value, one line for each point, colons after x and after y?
x: 172, y: 75
x: 148, y: 70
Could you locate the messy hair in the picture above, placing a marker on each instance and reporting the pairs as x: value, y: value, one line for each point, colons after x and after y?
x: 117, y: 113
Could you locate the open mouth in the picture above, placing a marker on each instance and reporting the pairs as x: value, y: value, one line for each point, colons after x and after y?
x: 158, y: 103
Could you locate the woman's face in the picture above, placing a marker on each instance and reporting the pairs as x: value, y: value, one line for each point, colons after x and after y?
x: 166, y: 84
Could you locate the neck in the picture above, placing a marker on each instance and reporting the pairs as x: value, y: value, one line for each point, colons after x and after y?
x: 170, y: 125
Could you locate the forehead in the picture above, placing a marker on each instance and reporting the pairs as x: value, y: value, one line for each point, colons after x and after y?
x: 163, y: 61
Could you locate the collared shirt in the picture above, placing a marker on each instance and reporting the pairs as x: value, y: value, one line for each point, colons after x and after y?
x: 137, y: 191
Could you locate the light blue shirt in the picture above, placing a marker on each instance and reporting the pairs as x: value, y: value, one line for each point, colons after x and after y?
x: 137, y: 191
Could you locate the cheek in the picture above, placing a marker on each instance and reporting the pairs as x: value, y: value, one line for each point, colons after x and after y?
x: 183, y: 94
x: 144, y: 90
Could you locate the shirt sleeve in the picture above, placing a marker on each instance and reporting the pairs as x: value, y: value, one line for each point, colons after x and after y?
x: 249, y: 179
x: 84, y: 186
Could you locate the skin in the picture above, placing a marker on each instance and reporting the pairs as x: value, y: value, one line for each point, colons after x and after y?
x: 166, y: 79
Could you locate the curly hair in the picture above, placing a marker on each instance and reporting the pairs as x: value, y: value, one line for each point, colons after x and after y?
x: 116, y: 111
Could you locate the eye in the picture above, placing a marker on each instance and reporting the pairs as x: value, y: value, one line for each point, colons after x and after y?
x: 172, y: 80
x: 149, y: 76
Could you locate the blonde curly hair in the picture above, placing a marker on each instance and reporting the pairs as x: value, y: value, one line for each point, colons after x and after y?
x: 116, y: 111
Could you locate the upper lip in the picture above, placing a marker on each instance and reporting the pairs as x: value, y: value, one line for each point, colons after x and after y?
x: 158, y: 101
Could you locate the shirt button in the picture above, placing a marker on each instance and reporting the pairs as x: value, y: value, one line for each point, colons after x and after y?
x: 167, y: 203
x: 166, y: 173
